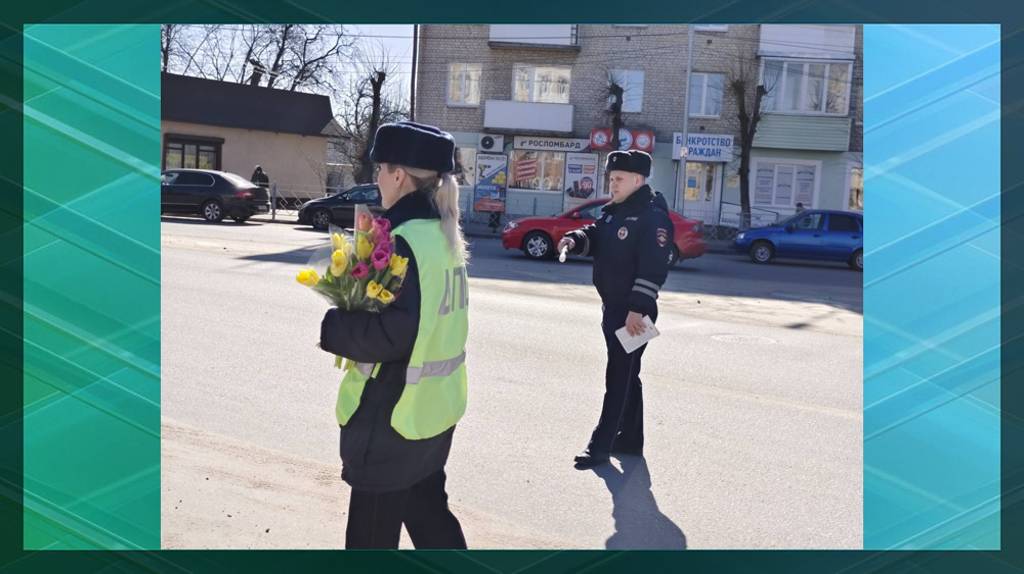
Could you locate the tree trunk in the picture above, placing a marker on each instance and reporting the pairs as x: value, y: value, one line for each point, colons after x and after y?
x: 276, y: 68
x: 616, y: 91
x: 365, y: 174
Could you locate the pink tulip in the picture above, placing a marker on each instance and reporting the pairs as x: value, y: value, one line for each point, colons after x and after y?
x: 361, y: 270
x: 383, y: 224
x: 381, y: 260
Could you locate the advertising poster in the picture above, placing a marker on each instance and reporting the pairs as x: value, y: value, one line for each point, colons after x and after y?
x: 581, y: 184
x: 491, y: 183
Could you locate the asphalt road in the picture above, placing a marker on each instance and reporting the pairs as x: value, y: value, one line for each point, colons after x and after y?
x: 752, y: 395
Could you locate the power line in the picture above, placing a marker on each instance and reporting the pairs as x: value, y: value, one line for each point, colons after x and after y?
x: 616, y: 56
x: 631, y: 36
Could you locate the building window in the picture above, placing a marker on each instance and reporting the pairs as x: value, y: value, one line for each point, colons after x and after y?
x: 538, y: 170
x: 711, y: 27
x: 856, y: 200
x: 465, y: 166
x: 706, y: 95
x: 464, y: 84
x: 191, y: 154
x: 806, y: 87
x: 783, y: 184
x: 632, y: 84
x: 542, y: 84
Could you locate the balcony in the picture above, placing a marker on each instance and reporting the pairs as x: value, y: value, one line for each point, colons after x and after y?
x: 528, y: 116
x: 822, y: 133
x: 816, y: 41
x: 554, y: 36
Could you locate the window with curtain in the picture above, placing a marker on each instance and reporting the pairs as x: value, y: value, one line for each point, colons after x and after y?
x: 542, y: 84
x: 706, y: 94
x: 783, y: 184
x: 806, y: 87
x: 464, y: 84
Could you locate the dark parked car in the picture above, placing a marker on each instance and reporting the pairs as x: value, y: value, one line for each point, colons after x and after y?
x: 339, y: 208
x: 822, y: 235
x: 212, y: 194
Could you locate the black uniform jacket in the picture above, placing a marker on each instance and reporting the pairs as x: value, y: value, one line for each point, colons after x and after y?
x: 632, y: 246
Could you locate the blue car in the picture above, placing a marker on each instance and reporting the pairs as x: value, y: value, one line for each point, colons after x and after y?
x: 812, y: 234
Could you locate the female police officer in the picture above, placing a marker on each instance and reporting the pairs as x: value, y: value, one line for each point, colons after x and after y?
x: 632, y: 248
x: 398, y: 408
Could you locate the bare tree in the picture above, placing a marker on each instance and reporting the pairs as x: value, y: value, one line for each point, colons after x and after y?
x: 749, y: 92
x: 198, y: 54
x: 615, y: 111
x: 297, y: 57
x: 368, y: 101
x: 254, y: 40
x: 168, y: 43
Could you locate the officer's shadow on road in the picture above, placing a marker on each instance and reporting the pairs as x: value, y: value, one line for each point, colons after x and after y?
x: 638, y: 522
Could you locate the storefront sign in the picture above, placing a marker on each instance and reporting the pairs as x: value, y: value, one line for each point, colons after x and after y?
x: 551, y: 144
x: 580, y: 179
x: 703, y: 147
x: 491, y: 183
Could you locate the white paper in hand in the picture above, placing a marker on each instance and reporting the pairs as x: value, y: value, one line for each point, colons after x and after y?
x: 631, y: 343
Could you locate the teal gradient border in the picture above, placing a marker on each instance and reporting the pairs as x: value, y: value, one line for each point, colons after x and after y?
x: 931, y: 287
x: 92, y: 287
x: 1009, y: 559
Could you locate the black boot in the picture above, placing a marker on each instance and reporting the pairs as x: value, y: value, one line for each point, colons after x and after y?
x: 590, y: 459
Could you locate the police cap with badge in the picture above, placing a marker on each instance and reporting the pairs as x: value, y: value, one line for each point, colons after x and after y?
x: 414, y: 145
x: 633, y: 161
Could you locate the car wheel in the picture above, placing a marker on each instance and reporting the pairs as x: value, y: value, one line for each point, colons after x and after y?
x: 212, y: 211
x: 857, y: 260
x: 321, y: 219
x: 762, y: 252
x: 537, y: 245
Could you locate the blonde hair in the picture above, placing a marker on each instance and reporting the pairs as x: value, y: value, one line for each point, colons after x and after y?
x: 444, y: 193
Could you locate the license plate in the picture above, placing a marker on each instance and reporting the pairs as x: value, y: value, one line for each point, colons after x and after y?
x: 262, y: 208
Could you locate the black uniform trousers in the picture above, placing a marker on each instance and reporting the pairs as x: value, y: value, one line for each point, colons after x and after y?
x: 375, y: 519
x: 621, y: 426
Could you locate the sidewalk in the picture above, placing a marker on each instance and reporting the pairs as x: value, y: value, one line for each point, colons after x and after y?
x: 473, y: 229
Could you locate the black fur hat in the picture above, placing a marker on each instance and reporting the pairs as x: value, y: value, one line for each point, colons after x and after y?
x: 634, y: 161
x: 414, y: 145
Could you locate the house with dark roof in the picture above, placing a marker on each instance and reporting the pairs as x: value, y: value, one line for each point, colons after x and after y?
x: 208, y: 124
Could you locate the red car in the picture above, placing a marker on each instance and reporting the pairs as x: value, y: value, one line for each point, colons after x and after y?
x: 538, y: 236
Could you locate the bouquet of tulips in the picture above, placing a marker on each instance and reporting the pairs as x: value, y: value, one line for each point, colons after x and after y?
x: 359, y: 271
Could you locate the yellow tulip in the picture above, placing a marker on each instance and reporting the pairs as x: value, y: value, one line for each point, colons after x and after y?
x: 399, y: 265
x: 339, y: 259
x: 386, y: 297
x: 339, y: 241
x: 363, y: 248
x: 373, y: 289
x: 308, y: 277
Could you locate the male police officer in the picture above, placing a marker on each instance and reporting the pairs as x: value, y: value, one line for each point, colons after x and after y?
x: 632, y: 248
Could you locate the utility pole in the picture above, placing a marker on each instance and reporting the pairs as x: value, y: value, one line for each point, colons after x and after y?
x: 412, y: 82
x: 681, y: 184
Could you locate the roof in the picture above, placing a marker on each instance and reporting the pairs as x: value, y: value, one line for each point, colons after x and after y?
x: 228, y: 104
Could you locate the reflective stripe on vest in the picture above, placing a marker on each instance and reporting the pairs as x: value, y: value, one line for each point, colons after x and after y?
x: 414, y: 374
x: 434, y: 369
